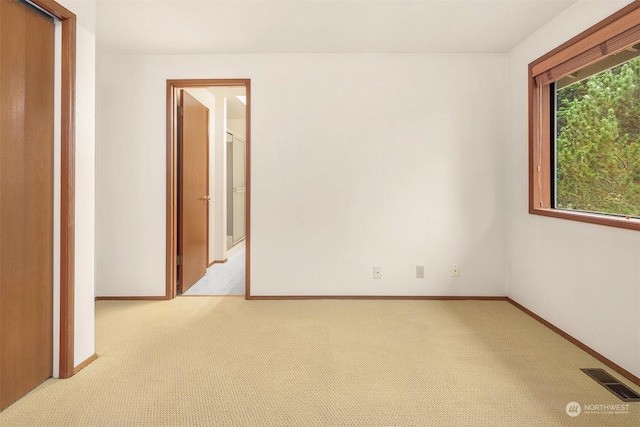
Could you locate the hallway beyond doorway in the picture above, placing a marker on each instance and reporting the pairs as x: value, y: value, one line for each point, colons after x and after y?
x: 223, y: 278
x: 219, y: 96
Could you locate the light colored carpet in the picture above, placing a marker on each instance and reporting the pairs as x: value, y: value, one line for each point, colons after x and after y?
x: 229, y: 362
x: 222, y: 279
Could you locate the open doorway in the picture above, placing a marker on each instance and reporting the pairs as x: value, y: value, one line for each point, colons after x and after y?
x: 226, y: 195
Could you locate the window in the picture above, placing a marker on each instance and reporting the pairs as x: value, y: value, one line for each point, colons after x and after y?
x: 584, y: 125
x: 597, y: 137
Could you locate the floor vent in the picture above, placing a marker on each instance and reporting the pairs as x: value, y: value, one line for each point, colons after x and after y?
x: 612, y: 384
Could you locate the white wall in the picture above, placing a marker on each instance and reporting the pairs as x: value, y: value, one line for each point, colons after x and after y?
x: 84, y: 296
x: 238, y: 127
x: 357, y: 160
x: 218, y: 178
x: 583, y: 278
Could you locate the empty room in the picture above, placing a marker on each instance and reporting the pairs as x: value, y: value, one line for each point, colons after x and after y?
x: 320, y: 213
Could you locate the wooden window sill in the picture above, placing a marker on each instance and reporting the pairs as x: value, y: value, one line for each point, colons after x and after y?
x: 592, y: 218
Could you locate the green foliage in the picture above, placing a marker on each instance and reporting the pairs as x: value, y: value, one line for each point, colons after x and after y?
x: 598, y: 142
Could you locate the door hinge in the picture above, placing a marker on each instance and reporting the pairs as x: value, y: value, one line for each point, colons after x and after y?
x: 180, y: 111
x: 179, y: 260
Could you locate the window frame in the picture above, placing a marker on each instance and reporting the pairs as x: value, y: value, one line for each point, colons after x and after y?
x: 620, y: 29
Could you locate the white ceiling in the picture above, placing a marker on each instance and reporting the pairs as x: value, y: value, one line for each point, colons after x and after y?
x: 316, y: 26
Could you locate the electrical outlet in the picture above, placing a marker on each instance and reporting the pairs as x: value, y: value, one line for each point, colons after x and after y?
x: 376, y: 273
x: 420, y: 271
x: 455, y: 271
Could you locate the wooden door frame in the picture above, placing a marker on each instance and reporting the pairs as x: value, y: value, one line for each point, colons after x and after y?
x: 67, y: 182
x: 172, y: 176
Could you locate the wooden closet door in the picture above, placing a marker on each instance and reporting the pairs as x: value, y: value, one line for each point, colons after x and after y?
x: 26, y: 199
